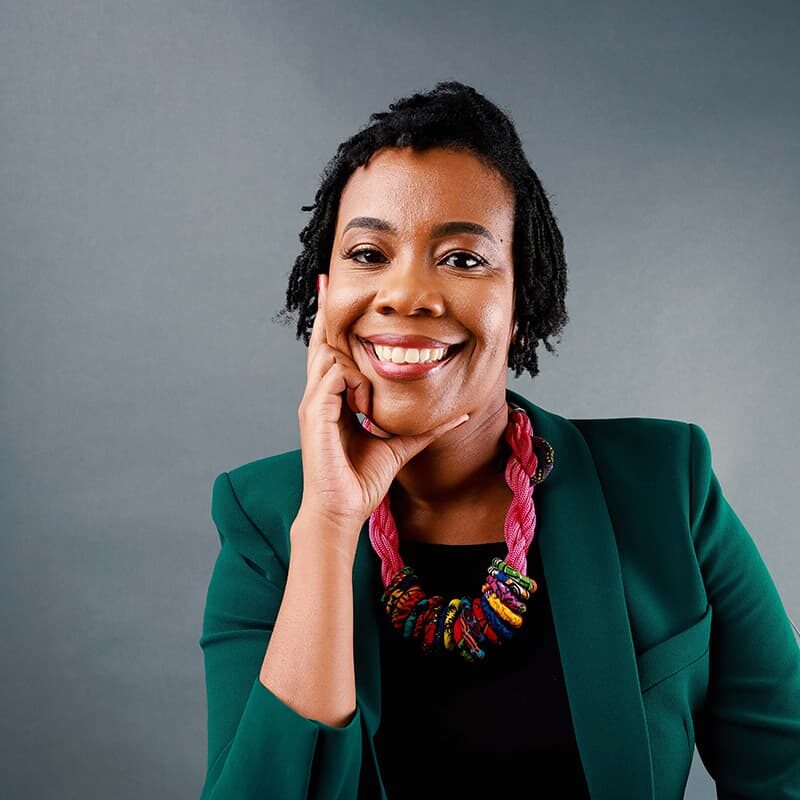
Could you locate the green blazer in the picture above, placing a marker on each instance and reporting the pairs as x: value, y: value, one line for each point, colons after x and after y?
x: 670, y: 629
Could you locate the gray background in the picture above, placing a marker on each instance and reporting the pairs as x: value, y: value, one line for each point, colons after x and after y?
x: 154, y: 161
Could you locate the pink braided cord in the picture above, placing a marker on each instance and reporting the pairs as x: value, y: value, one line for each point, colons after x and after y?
x: 520, y: 522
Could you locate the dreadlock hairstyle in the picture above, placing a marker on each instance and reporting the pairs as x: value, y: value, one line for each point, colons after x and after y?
x: 454, y: 116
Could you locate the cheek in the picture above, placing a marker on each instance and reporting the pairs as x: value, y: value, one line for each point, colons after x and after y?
x: 493, y: 330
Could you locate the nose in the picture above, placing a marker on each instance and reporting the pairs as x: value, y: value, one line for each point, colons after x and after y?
x: 410, y: 289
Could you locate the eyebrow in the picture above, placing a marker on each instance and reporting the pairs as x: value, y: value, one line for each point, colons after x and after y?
x: 443, y: 229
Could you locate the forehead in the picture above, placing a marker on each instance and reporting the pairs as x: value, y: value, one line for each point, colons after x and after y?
x: 414, y: 190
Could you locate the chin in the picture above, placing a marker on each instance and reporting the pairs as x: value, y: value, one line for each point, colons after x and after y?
x: 397, y: 424
x: 403, y: 421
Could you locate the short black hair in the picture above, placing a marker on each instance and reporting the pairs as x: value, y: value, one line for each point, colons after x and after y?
x: 454, y: 116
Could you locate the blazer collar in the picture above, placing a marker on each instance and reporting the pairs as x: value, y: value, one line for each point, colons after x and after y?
x: 584, y: 583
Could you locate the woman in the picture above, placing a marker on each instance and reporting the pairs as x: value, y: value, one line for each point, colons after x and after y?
x: 448, y: 590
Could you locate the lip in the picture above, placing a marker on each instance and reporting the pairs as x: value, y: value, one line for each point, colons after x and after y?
x: 409, y: 340
x: 407, y: 372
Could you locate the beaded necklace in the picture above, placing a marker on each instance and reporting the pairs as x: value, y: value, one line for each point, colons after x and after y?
x: 463, y: 624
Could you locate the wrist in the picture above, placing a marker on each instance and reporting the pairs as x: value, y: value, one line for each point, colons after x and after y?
x: 313, y: 530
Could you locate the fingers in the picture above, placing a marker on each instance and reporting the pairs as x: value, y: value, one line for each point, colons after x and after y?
x: 406, y: 447
x: 322, y: 356
x: 317, y: 338
x: 318, y: 342
x: 325, y: 357
x: 439, y: 430
x: 338, y: 379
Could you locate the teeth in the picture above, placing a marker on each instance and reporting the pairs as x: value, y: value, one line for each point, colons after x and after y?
x: 409, y: 355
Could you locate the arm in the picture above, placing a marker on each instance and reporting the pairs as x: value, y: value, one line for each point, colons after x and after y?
x: 748, y: 734
x: 265, y: 743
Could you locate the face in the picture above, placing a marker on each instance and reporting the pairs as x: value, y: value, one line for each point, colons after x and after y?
x: 400, y: 267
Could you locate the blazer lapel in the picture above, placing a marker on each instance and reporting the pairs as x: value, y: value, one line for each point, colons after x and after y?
x: 584, y: 583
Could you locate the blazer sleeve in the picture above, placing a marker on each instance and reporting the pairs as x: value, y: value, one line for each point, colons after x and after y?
x: 748, y: 733
x: 257, y: 745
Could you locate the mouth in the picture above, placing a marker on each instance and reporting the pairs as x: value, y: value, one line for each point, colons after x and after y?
x: 409, y: 371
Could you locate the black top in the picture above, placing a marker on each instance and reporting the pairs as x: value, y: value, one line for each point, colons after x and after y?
x: 498, y: 726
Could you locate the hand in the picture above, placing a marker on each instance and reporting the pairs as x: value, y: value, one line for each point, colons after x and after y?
x: 347, y: 471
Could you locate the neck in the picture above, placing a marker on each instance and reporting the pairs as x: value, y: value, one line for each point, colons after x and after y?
x: 452, y: 469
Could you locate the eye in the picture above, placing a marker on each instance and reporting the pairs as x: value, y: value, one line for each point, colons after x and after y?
x: 355, y: 254
x: 478, y: 260
x: 359, y: 251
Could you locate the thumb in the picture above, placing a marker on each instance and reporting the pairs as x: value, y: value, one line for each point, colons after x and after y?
x: 406, y: 447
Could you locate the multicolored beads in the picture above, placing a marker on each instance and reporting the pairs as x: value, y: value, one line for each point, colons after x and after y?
x: 463, y: 624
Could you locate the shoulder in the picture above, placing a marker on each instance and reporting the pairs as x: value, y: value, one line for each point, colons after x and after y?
x: 620, y: 440
x: 272, y: 484
x: 254, y: 504
x: 630, y: 433
x: 645, y: 442
x: 649, y: 462
x: 653, y: 471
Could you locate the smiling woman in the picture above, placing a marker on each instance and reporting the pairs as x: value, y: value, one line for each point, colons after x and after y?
x: 441, y: 268
x: 628, y: 599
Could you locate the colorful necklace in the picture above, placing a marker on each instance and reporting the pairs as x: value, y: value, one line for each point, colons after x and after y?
x: 463, y: 624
